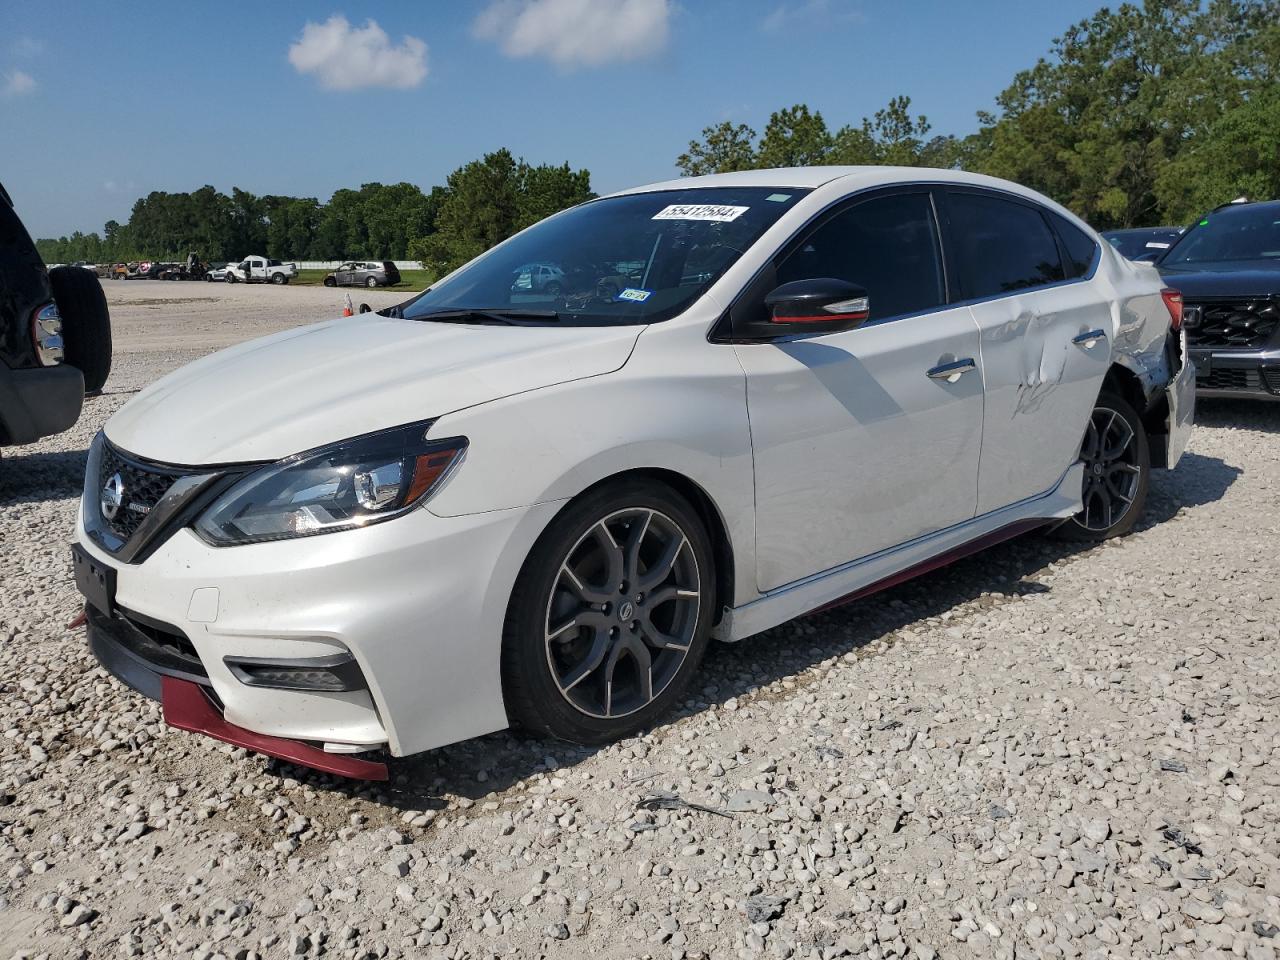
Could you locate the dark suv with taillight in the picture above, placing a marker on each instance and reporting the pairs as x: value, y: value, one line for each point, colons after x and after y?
x: 1227, y: 266
x: 55, y: 337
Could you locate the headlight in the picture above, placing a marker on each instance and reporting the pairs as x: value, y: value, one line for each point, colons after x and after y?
x: 46, y: 334
x: 350, y: 484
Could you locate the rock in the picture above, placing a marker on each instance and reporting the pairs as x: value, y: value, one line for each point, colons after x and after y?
x: 760, y: 908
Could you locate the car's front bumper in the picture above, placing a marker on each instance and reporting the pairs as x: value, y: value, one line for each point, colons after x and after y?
x: 38, y: 402
x: 1253, y: 374
x: 1181, y: 397
x: 418, y: 601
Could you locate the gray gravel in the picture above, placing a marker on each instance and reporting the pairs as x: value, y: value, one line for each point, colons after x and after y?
x: 1037, y: 752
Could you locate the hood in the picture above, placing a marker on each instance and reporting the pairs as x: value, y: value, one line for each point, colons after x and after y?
x: 304, y: 388
x: 1241, y: 278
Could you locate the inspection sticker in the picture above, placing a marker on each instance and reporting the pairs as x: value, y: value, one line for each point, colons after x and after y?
x: 700, y: 211
x: 636, y: 294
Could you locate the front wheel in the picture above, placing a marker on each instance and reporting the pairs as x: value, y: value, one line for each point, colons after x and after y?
x: 330, y: 281
x: 610, y: 615
x: 1117, y: 472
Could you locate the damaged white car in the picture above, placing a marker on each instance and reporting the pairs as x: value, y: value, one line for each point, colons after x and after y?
x: 746, y: 397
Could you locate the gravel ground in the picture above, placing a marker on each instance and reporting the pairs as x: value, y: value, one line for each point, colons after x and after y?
x: 1039, y: 751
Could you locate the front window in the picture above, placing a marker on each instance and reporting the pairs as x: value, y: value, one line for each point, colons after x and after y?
x: 638, y: 258
x: 1232, y: 233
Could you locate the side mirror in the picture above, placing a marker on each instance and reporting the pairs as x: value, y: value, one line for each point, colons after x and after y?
x: 821, y: 305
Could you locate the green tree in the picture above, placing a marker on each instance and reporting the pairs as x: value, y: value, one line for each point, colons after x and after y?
x: 490, y: 199
x: 544, y: 190
x: 1121, y: 96
x: 794, y: 137
x: 724, y: 148
x: 1238, y: 155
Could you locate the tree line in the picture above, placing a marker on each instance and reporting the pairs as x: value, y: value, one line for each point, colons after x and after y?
x: 1139, y: 115
x: 483, y: 202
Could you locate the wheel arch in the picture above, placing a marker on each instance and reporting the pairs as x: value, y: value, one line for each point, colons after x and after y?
x: 1122, y: 380
x: 708, y: 512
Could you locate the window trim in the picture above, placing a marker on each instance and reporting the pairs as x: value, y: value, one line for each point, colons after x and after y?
x: 950, y: 244
x: 722, y: 330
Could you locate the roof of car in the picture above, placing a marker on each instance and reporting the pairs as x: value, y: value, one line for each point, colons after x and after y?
x: 810, y: 177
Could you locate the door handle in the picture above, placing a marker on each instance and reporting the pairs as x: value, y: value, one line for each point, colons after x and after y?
x: 1089, y: 338
x: 953, y: 371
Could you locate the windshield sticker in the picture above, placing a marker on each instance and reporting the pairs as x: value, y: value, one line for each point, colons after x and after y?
x: 635, y: 294
x: 700, y: 211
x: 779, y: 197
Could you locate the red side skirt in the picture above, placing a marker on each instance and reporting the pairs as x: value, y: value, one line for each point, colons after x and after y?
x: 187, y: 708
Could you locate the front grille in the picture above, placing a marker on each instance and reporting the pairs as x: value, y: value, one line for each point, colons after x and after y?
x: 1229, y: 379
x: 1271, y: 379
x: 142, y: 486
x: 1240, y: 324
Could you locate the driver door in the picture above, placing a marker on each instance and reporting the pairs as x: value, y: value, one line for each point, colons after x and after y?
x: 859, y: 442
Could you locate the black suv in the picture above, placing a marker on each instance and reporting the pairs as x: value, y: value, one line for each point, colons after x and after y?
x: 1227, y: 266
x: 55, y: 337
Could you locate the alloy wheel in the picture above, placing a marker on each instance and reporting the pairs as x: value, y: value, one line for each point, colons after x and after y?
x: 622, y: 613
x: 1111, y: 469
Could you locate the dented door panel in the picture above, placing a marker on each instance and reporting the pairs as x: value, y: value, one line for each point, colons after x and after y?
x: 1042, y: 375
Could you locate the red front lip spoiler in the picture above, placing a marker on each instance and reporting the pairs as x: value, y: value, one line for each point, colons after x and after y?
x: 187, y: 708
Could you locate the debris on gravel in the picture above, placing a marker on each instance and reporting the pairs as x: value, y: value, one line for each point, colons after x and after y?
x: 1040, y: 751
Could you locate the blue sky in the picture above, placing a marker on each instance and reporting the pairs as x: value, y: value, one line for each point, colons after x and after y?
x: 102, y: 103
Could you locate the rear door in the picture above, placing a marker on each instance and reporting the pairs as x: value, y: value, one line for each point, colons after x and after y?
x: 865, y: 439
x: 1045, y: 338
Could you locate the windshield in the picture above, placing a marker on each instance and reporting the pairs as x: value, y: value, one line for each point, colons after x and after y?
x: 1231, y: 233
x: 638, y: 258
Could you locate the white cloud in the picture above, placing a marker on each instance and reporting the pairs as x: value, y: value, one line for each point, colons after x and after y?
x: 577, y: 33
x: 26, y: 46
x: 16, y: 83
x: 810, y: 13
x: 343, y: 57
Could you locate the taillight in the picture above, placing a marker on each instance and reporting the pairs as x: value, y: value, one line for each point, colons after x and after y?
x: 46, y: 334
x: 1173, y: 300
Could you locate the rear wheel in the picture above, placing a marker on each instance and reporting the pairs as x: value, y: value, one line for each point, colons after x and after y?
x: 279, y: 279
x: 86, y: 323
x: 1117, y: 472
x: 610, y: 616
x: 371, y: 282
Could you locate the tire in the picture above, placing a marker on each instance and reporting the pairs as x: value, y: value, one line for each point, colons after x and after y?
x: 86, y: 323
x: 230, y: 277
x: 279, y: 279
x: 371, y: 283
x: 1116, y: 477
x: 330, y: 281
x: 554, y: 289
x: 542, y: 648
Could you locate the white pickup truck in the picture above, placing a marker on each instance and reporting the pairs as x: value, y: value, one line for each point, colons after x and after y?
x: 260, y: 270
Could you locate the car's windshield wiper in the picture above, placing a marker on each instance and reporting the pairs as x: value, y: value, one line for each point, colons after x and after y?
x: 502, y: 315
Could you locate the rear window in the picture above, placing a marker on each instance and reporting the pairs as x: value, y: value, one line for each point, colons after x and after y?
x: 1002, y: 246
x: 1081, y: 250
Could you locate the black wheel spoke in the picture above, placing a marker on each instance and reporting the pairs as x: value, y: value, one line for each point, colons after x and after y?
x: 600, y: 647
x: 654, y: 575
x: 581, y: 589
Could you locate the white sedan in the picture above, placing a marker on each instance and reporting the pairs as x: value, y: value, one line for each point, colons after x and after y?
x: 483, y: 507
